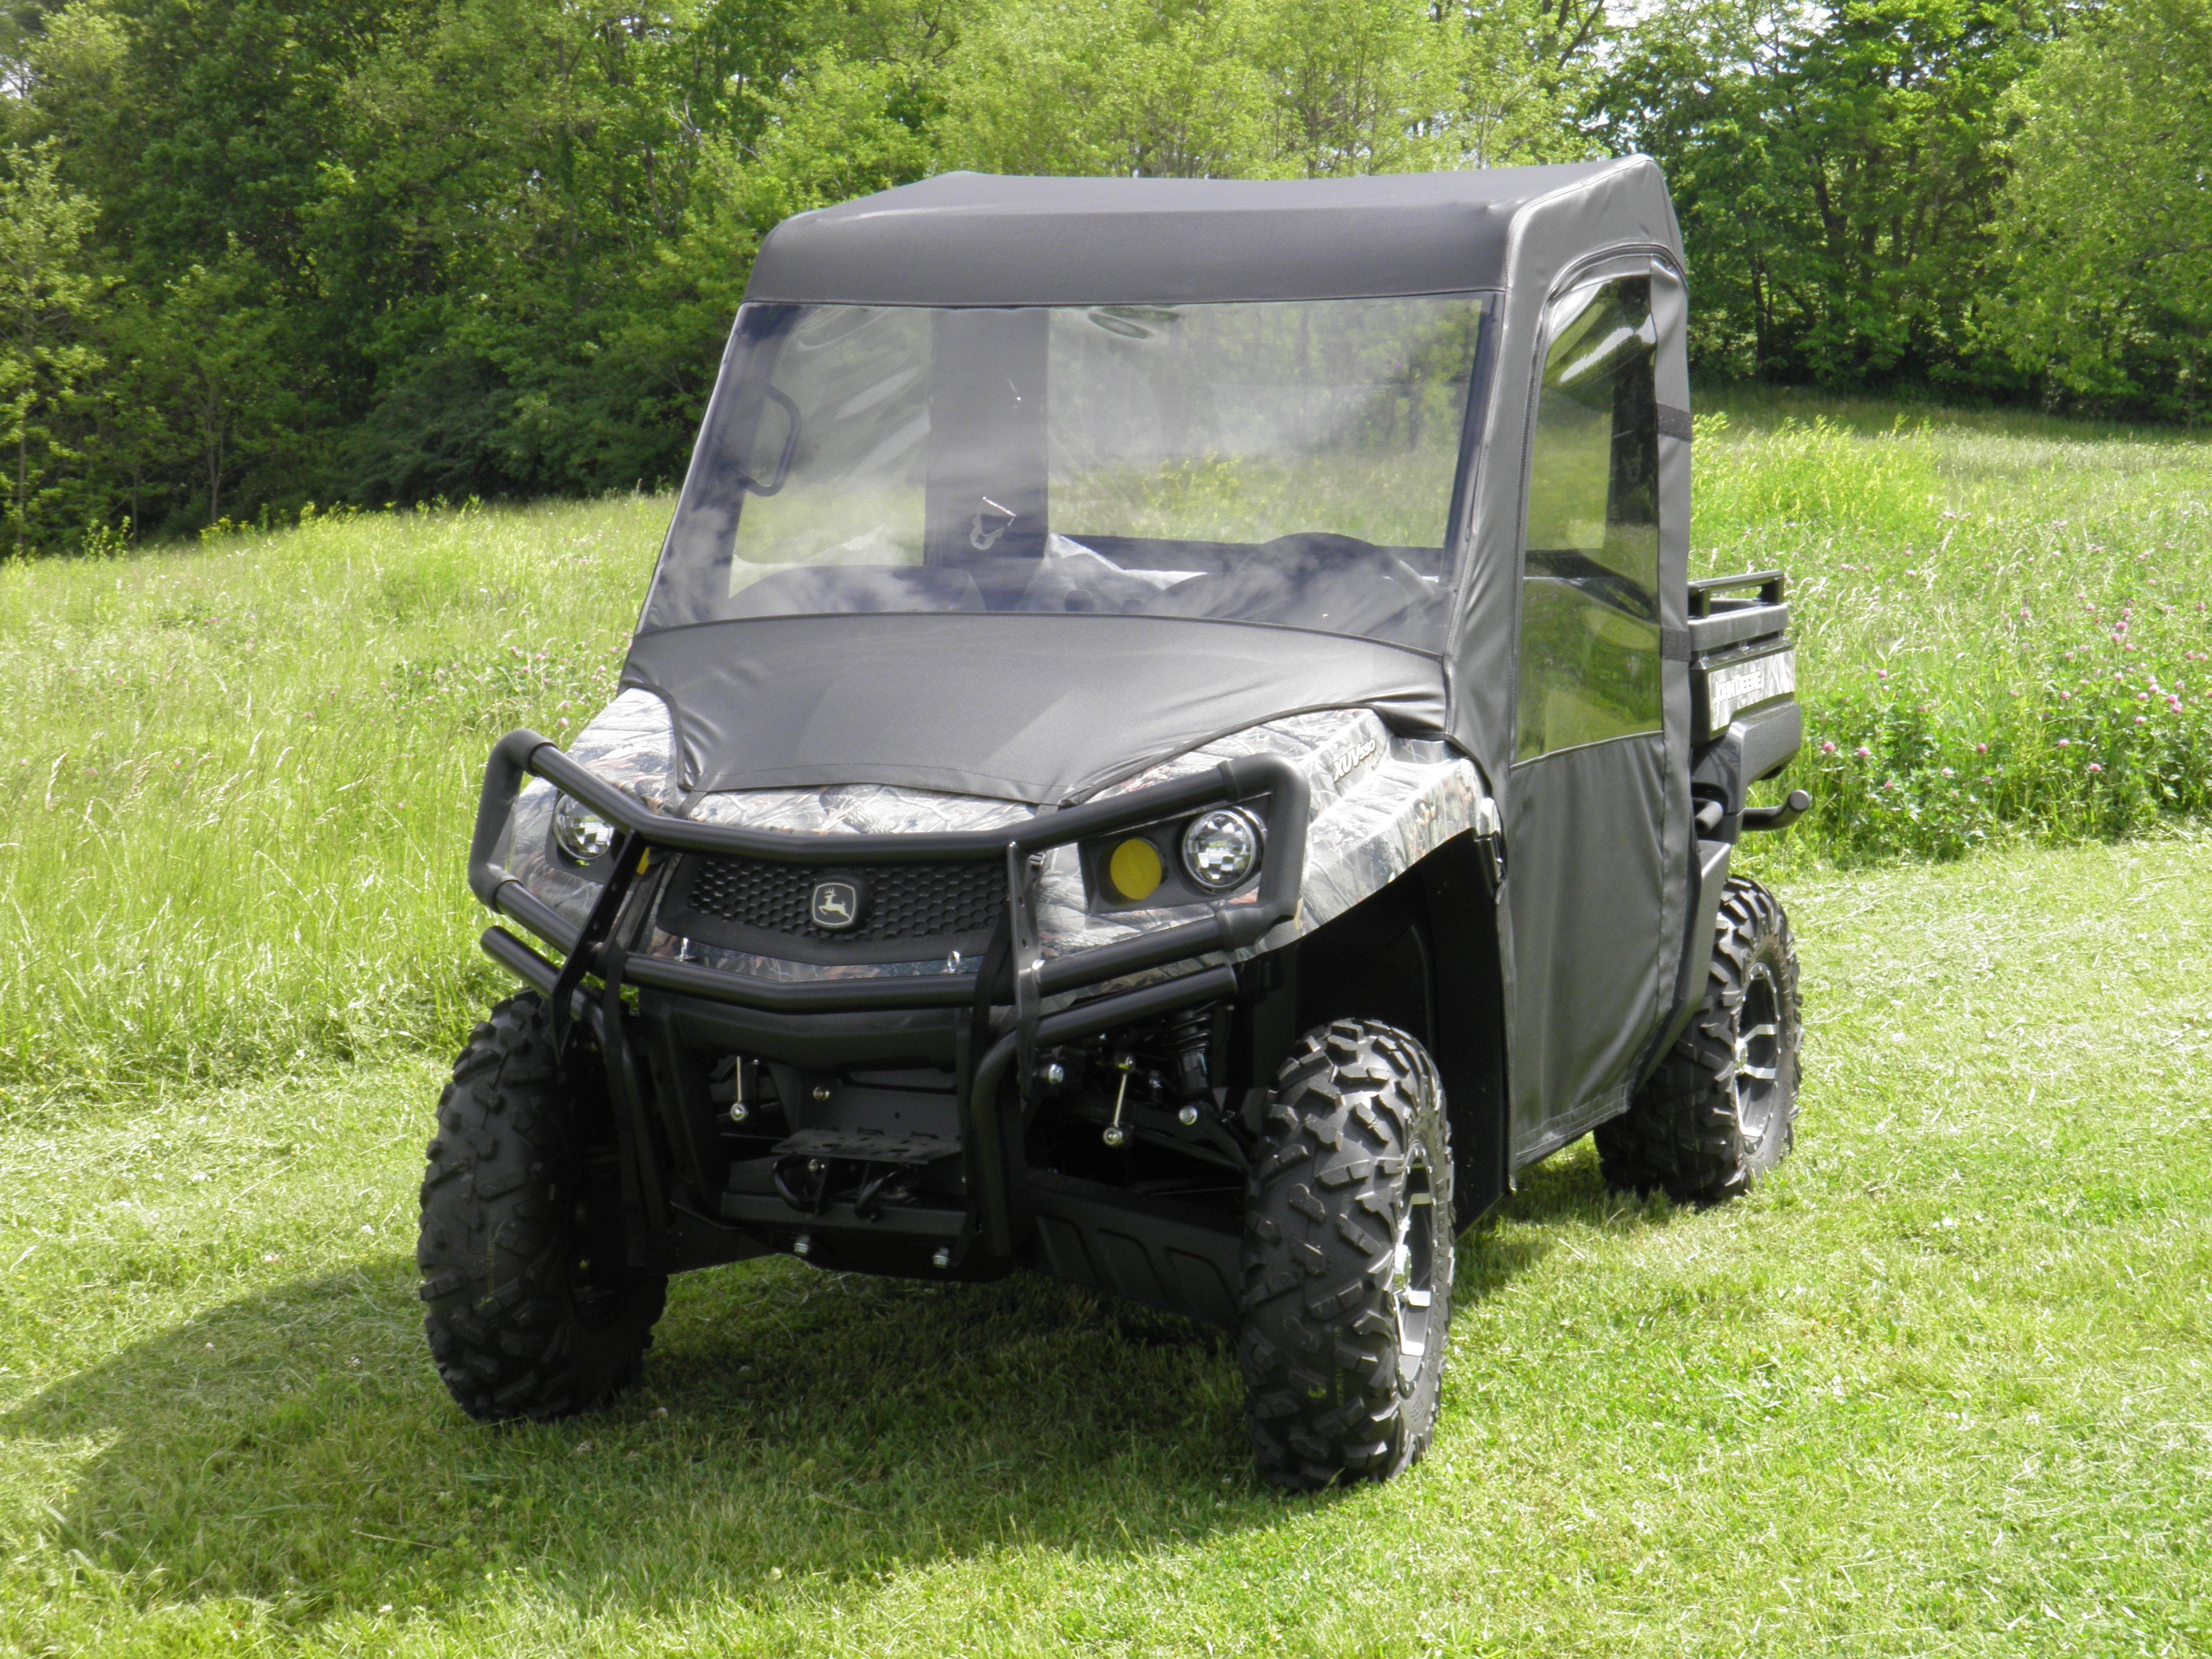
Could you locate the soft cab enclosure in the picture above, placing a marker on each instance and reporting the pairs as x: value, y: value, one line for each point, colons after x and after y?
x: 1042, y: 531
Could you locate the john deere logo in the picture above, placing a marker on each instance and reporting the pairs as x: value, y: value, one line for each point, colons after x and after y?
x: 835, y: 906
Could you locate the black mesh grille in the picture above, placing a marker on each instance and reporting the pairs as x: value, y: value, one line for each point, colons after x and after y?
x: 904, y: 900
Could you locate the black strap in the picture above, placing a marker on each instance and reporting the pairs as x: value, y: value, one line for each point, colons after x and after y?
x: 583, y: 956
x: 1674, y: 645
x: 1673, y: 422
x: 994, y: 981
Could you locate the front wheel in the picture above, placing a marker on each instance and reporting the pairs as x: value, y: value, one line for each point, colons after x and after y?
x: 533, y: 1309
x: 1347, y: 1260
x: 1722, y: 1109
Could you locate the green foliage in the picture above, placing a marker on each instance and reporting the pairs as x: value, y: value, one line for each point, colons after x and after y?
x: 45, y: 297
x: 2108, y: 227
x: 391, y: 251
x: 384, y: 251
x: 1836, y: 168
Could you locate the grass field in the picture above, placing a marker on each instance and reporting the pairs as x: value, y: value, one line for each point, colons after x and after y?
x: 1942, y: 1387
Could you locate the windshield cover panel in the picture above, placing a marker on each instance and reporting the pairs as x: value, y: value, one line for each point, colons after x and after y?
x: 1294, y: 464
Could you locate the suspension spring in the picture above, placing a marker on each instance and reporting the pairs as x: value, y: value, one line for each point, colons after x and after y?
x: 1190, y: 1033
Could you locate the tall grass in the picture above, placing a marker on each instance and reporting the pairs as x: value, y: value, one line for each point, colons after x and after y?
x: 2002, y: 619
x: 236, y: 780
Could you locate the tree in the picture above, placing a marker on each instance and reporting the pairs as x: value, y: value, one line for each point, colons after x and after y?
x: 2108, y: 226
x: 46, y: 298
x: 1837, y: 169
x: 221, y: 343
x: 1259, y: 88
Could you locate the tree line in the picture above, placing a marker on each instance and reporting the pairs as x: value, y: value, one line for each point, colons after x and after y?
x: 257, y: 253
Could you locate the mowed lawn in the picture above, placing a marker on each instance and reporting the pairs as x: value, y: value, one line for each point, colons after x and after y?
x: 1944, y: 1386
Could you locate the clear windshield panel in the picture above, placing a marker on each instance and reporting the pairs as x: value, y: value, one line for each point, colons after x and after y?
x: 1294, y: 464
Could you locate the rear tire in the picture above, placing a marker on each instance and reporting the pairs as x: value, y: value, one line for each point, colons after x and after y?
x: 1346, y: 1301
x: 1722, y: 1109
x: 533, y: 1307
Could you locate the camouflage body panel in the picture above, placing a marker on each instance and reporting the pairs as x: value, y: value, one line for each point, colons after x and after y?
x: 1381, y: 803
x: 632, y: 745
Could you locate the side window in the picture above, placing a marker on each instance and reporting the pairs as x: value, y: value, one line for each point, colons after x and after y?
x: 1590, y: 608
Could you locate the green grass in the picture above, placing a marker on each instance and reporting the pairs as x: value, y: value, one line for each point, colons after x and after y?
x: 1944, y: 1386
x: 236, y: 782
x: 2002, y: 618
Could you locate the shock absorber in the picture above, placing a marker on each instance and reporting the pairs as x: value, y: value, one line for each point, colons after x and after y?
x: 1190, y: 1033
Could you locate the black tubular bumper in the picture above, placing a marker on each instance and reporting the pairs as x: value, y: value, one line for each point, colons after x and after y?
x: 597, y: 948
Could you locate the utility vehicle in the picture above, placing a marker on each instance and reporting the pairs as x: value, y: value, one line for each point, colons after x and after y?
x: 1171, y: 744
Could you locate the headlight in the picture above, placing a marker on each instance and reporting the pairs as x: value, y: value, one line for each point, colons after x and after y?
x: 1221, y: 848
x: 583, y: 834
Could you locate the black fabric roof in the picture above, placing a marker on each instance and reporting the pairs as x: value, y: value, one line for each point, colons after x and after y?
x: 968, y: 239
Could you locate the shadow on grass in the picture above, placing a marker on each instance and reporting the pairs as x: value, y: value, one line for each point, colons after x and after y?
x: 793, y: 1431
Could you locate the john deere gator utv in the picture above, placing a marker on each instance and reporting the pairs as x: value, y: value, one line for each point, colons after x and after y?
x: 1170, y: 744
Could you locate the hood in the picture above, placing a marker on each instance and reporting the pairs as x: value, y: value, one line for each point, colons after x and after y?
x: 1033, y: 707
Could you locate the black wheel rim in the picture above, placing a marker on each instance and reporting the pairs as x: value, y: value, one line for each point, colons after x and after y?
x: 1758, y: 1057
x: 1413, y: 1270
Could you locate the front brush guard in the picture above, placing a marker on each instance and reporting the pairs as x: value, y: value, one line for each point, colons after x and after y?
x: 1019, y: 976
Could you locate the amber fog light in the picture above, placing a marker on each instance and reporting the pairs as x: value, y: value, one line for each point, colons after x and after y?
x: 1134, y: 871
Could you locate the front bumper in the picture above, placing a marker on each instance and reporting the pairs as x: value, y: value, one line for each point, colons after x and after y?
x: 1003, y: 996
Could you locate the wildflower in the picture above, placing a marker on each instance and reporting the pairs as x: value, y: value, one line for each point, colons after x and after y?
x: 2142, y: 720
x: 2069, y: 656
x: 2094, y: 767
x: 2023, y: 613
x: 1981, y: 748
x: 2142, y: 696
x: 1889, y: 784
x: 1828, y: 748
x: 1863, y: 752
x: 1948, y: 773
x: 2065, y: 743
x: 1881, y: 673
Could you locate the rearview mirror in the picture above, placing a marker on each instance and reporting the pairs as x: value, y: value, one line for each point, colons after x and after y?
x: 775, y: 434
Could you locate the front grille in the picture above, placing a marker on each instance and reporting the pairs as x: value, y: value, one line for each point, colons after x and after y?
x: 915, y: 902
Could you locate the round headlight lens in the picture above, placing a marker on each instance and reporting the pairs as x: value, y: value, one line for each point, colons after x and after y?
x: 1134, y: 870
x: 583, y: 834
x: 1221, y: 848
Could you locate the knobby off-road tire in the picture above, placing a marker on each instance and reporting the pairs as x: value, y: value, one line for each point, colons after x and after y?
x: 1347, y: 1260
x: 533, y: 1310
x: 1721, y: 1108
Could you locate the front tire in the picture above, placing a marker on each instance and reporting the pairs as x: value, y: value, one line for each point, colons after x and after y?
x: 1347, y: 1260
x: 532, y: 1310
x: 1722, y: 1109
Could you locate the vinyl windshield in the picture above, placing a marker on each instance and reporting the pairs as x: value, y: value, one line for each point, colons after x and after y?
x: 1295, y: 464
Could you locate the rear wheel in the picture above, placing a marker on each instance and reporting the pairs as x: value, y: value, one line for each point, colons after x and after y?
x: 532, y: 1310
x: 1347, y: 1260
x: 1722, y: 1109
